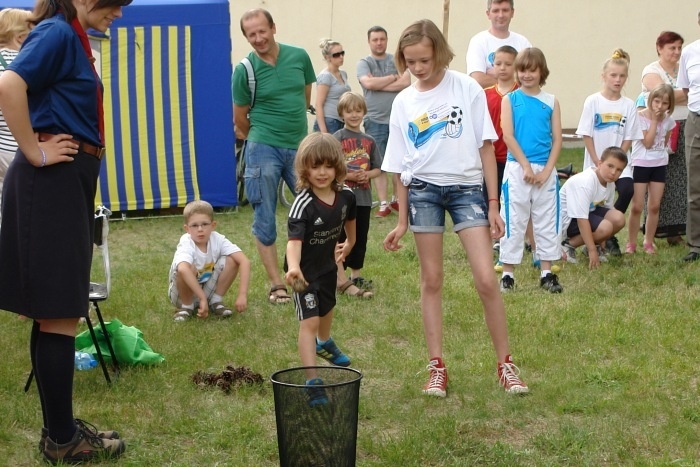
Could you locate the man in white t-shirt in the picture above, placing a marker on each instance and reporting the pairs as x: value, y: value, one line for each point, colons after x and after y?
x: 689, y: 81
x: 483, y: 45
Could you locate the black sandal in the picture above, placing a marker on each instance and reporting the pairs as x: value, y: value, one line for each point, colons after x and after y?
x: 278, y: 299
x: 361, y: 293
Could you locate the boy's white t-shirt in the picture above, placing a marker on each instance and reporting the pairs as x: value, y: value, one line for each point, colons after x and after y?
x: 656, y: 155
x: 582, y: 194
x: 204, y: 262
x: 609, y: 123
x: 436, y: 135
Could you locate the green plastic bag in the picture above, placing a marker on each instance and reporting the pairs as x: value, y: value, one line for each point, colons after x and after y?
x: 127, y: 341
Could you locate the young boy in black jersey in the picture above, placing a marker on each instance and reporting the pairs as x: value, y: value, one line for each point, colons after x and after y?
x: 319, y: 213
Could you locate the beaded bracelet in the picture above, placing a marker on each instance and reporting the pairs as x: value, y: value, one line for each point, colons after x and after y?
x: 43, y: 157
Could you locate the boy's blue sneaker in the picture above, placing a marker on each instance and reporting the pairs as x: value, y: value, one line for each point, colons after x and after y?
x: 331, y: 353
x: 315, y: 395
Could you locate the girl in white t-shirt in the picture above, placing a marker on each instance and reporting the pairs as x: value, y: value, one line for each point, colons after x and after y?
x: 440, y: 142
x: 649, y: 161
x: 610, y: 119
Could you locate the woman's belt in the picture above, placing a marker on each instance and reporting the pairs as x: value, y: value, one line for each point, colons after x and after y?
x: 87, y: 148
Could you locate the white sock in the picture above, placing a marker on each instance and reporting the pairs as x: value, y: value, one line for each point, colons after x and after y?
x: 188, y: 307
x: 545, y: 272
x: 508, y: 274
x: 216, y: 298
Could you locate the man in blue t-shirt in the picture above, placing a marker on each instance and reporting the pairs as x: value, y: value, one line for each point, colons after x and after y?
x: 273, y: 122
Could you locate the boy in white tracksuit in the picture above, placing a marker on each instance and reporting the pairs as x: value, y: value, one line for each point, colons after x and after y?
x: 531, y: 123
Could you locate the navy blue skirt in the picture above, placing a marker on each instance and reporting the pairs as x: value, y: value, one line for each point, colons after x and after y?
x: 48, y: 218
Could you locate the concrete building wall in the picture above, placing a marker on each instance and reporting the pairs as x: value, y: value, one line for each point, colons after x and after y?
x: 577, y: 36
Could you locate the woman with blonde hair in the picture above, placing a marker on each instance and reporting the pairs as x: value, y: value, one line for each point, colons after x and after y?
x: 331, y: 83
x: 14, y: 27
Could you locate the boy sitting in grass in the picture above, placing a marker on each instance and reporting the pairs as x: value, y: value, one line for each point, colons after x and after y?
x: 588, y: 198
x: 204, y: 267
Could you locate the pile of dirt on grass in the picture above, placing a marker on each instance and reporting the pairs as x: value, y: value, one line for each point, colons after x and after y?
x: 230, y: 378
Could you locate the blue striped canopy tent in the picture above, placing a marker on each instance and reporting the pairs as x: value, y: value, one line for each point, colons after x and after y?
x: 166, y: 69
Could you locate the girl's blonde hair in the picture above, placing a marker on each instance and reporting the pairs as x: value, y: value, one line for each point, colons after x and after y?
x: 618, y: 57
x: 326, y: 45
x: 319, y: 149
x: 13, y: 23
x: 532, y: 58
x: 660, y: 91
x: 412, y: 35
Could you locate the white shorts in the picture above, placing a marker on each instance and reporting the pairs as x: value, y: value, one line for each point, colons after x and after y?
x: 521, y: 201
x: 209, y: 286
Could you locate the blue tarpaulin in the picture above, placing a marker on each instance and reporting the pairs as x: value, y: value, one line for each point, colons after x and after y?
x: 166, y: 68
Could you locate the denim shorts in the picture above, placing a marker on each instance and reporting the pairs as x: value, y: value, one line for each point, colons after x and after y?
x: 427, y: 204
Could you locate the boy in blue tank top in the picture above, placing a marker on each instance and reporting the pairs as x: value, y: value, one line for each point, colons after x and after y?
x: 531, y: 123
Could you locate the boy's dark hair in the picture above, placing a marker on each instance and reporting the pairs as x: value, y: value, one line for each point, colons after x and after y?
x: 531, y: 59
x: 376, y: 29
x: 318, y: 149
x: 198, y: 206
x: 351, y: 101
x: 616, y: 153
x: 507, y: 49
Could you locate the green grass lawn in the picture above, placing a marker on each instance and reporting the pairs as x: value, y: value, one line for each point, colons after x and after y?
x: 610, y: 363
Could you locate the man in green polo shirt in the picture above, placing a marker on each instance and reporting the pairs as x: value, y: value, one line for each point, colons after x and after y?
x: 273, y: 123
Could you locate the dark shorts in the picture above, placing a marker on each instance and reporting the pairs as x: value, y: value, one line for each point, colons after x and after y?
x: 318, y: 299
x: 595, y: 217
x: 649, y: 174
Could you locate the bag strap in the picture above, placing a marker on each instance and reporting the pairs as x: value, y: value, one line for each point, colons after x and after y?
x: 251, y: 79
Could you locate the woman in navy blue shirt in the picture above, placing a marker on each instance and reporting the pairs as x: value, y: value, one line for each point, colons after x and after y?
x: 51, y: 97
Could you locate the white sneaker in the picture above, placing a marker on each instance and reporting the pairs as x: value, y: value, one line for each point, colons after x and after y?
x: 568, y: 252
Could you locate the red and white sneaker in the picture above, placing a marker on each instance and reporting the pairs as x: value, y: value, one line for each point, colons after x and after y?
x: 394, y: 205
x: 509, y: 377
x: 437, y: 382
x: 384, y: 210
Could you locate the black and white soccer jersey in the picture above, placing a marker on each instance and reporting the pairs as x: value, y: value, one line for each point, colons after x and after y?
x: 318, y: 225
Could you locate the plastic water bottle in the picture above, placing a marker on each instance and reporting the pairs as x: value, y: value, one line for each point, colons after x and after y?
x: 84, y: 361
